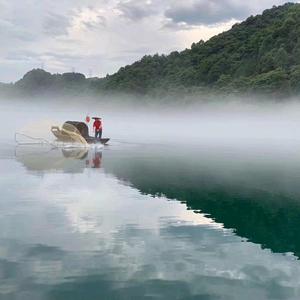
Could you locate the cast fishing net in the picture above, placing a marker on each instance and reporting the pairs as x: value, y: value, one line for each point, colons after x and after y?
x: 45, y: 132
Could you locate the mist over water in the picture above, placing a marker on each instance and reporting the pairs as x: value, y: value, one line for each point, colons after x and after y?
x: 195, y: 201
x: 237, y: 122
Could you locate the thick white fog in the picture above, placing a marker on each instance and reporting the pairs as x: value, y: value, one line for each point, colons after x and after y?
x: 233, y: 122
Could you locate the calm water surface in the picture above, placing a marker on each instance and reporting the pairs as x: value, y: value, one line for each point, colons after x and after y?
x: 138, y: 221
x: 149, y: 220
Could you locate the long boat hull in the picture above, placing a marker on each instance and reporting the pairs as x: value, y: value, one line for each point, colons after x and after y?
x: 92, y: 140
x: 66, y: 137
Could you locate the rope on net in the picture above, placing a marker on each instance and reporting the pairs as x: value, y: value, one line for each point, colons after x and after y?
x: 35, y: 140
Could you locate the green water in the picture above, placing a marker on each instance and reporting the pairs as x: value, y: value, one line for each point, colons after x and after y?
x: 142, y: 221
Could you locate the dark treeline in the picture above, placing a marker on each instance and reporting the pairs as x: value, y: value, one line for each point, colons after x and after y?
x: 39, y: 82
x: 260, y: 55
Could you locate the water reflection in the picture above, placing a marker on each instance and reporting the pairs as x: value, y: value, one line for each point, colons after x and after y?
x: 258, y: 201
x: 255, y: 196
x: 80, y: 232
x: 68, y: 160
x: 75, y: 153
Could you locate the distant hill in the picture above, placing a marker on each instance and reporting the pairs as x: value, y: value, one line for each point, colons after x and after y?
x: 260, y: 55
x: 40, y: 82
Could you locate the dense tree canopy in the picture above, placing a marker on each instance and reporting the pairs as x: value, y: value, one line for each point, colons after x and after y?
x: 261, y: 54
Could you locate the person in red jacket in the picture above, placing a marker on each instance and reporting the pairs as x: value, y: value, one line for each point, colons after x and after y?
x: 97, y: 126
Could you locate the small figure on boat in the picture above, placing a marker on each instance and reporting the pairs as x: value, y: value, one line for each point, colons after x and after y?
x: 97, y: 126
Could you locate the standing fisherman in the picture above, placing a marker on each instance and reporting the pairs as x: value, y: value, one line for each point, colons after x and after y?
x: 97, y: 126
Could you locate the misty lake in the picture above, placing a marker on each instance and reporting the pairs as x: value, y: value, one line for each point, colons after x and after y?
x: 142, y: 219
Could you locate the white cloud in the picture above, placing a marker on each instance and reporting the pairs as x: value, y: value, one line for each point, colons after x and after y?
x: 55, y: 24
x: 199, y: 12
x: 137, y: 9
x: 206, y: 11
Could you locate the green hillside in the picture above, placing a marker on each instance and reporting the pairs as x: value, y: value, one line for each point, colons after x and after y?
x: 261, y: 54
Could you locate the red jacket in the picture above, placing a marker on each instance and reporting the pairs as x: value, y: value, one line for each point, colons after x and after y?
x: 97, y: 125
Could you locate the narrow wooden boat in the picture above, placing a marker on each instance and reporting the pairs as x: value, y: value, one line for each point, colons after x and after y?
x: 76, y: 132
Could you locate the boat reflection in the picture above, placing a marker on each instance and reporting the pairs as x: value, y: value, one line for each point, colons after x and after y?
x: 74, y: 153
x: 68, y: 160
x: 92, y: 157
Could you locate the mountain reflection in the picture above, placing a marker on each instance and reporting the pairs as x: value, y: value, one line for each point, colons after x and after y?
x: 259, y: 201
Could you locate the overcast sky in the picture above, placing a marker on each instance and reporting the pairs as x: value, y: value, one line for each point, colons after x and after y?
x: 96, y: 37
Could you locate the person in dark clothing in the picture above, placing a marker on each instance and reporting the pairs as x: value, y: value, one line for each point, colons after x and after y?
x: 97, y: 126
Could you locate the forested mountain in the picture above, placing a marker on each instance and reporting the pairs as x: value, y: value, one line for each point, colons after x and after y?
x: 259, y: 55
